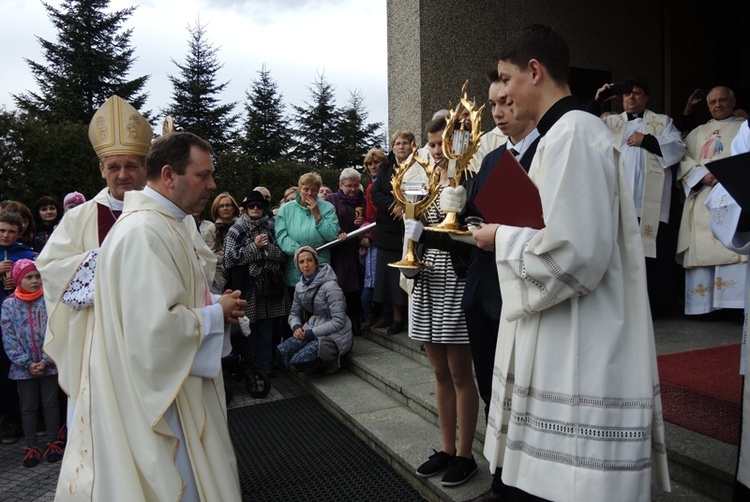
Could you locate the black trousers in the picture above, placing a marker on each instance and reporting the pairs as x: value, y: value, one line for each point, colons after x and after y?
x: 482, y: 330
x: 9, y: 403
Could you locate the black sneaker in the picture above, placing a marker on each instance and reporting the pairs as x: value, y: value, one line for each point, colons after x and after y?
x: 31, y: 459
x: 459, y: 471
x: 11, y: 433
x: 437, y: 462
x: 54, y: 451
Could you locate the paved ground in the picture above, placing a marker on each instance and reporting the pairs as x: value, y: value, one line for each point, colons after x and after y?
x: 673, y: 334
x: 37, y: 484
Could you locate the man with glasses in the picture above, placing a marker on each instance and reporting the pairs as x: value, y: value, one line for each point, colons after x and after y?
x: 650, y: 145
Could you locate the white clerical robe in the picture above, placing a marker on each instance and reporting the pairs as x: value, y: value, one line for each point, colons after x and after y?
x: 67, y: 248
x: 714, y: 275
x: 143, y: 399
x: 725, y: 214
x: 71, y: 242
x: 648, y: 175
x: 576, y: 410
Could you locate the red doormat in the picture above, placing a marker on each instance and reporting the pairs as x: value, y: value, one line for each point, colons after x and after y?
x: 701, y: 390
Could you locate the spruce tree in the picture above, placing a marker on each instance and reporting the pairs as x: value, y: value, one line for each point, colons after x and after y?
x: 195, y: 104
x: 266, y: 135
x: 87, y: 64
x: 317, y: 127
x: 355, y: 136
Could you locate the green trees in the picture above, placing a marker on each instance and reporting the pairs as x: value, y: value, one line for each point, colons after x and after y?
x: 355, y: 135
x: 87, y: 64
x: 329, y: 137
x: 195, y: 107
x: 44, y: 145
x: 317, y: 126
x: 266, y: 136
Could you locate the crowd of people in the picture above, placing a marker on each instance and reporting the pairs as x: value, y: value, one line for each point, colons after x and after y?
x: 524, y: 316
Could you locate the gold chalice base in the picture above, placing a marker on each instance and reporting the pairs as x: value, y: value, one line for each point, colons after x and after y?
x: 448, y: 230
x: 410, y: 265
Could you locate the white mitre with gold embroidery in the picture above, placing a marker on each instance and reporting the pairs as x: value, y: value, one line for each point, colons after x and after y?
x: 118, y: 129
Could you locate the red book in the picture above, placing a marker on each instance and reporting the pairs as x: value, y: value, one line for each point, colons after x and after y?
x: 509, y: 197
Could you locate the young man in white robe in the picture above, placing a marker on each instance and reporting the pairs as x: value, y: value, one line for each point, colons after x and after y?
x: 150, y: 422
x: 121, y: 138
x: 731, y: 225
x: 714, y: 275
x: 575, y: 411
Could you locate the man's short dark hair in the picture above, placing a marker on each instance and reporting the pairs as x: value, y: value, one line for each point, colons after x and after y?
x: 638, y: 82
x: 173, y: 149
x: 435, y: 125
x: 542, y: 43
x: 12, y: 218
x: 493, y: 76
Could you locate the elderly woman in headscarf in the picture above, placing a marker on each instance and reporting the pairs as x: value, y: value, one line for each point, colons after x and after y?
x: 321, y: 331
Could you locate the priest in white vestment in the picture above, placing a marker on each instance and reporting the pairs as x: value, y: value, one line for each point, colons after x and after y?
x: 714, y: 275
x: 731, y: 225
x: 649, y: 144
x: 575, y: 413
x: 150, y: 422
x: 121, y: 138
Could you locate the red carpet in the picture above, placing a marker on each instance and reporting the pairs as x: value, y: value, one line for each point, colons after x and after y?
x: 701, y: 390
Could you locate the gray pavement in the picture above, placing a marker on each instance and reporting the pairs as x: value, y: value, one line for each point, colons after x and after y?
x: 673, y: 332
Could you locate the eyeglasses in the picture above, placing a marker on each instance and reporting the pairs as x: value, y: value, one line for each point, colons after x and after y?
x: 225, y: 206
x: 254, y: 205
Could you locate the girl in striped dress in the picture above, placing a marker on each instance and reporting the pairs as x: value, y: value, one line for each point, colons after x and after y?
x: 438, y: 322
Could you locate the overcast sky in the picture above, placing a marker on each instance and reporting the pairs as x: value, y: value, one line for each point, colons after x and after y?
x: 345, y: 40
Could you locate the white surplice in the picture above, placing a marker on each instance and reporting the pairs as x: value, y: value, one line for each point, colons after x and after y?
x: 68, y: 247
x: 725, y: 215
x: 648, y: 175
x: 67, y: 329
x: 576, y: 408
x: 150, y: 422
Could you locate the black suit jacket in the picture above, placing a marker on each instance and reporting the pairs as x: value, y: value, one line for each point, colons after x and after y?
x: 482, y: 285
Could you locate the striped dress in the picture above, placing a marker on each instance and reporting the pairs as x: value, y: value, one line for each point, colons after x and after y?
x: 436, y: 308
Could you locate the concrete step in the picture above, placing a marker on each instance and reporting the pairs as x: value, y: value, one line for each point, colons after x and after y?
x: 403, y: 374
x: 403, y: 437
x: 699, y: 466
x: 386, y: 395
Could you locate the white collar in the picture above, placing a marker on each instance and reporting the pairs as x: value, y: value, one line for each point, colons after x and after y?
x: 168, y: 204
x: 114, y: 204
x: 524, y: 144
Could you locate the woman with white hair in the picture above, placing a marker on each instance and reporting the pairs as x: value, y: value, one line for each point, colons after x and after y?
x: 349, y: 202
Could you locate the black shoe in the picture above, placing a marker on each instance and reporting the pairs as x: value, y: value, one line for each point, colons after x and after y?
x: 489, y: 496
x: 54, y: 452
x: 437, y: 462
x: 459, y: 472
x: 32, y: 456
x: 396, y: 328
x: 380, y: 324
x: 11, y: 433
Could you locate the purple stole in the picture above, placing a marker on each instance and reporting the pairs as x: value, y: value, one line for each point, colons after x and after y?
x: 106, y: 217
